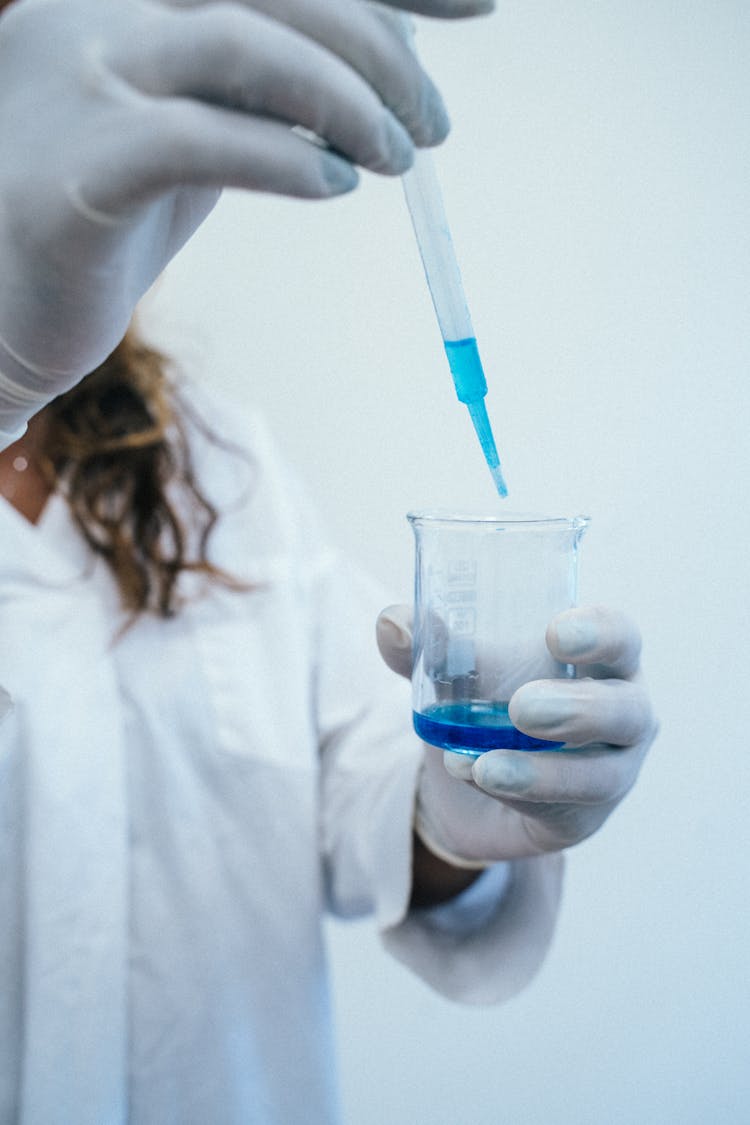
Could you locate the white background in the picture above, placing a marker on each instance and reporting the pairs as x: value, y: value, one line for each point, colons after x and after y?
x: 597, y: 185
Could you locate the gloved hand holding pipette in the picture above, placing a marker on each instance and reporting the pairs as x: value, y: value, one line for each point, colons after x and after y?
x: 512, y: 803
x: 123, y: 120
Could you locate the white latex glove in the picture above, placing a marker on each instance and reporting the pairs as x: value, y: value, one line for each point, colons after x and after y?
x: 121, y: 120
x: 510, y: 803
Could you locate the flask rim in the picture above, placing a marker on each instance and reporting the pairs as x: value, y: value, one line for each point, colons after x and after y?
x: 509, y: 521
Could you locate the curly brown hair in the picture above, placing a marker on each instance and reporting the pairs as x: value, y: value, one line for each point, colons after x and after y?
x: 118, y: 446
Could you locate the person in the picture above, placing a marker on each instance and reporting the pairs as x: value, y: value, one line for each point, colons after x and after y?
x: 203, y: 750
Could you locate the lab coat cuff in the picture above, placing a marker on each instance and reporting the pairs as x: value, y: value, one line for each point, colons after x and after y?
x: 496, y: 957
x: 472, y: 908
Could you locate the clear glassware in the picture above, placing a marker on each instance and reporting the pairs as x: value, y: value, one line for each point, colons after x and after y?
x: 485, y: 592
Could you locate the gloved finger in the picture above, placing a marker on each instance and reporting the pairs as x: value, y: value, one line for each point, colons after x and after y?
x: 241, y: 60
x: 444, y: 9
x: 393, y: 631
x: 459, y: 765
x: 209, y: 147
x: 579, y: 712
x: 520, y: 803
x: 353, y: 36
x: 596, y: 776
x: 601, y: 642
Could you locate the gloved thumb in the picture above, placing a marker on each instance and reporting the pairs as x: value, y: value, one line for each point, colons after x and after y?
x: 393, y: 631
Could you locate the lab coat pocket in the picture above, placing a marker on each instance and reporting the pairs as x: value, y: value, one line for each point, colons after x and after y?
x: 254, y: 654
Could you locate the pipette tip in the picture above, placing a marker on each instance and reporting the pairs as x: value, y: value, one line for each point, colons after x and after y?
x: 478, y: 412
x: 499, y: 479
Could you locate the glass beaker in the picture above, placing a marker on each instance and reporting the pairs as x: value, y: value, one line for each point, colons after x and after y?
x: 485, y: 591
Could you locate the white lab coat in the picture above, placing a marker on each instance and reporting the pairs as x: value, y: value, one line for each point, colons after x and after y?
x: 179, y: 805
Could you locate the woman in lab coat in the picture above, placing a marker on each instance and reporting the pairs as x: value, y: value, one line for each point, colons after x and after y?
x: 202, y: 750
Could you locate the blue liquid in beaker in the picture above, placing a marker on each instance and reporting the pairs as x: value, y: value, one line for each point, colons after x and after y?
x: 473, y: 728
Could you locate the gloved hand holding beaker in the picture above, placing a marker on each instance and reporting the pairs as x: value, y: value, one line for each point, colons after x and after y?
x: 504, y: 804
x: 122, y: 121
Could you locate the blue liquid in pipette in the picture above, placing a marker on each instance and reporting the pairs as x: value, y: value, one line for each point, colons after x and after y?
x: 466, y: 369
x: 474, y: 728
x: 471, y: 387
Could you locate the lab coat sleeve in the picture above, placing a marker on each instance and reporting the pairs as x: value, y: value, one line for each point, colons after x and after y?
x: 490, y: 944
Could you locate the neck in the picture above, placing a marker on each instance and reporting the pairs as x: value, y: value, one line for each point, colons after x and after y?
x: 22, y: 482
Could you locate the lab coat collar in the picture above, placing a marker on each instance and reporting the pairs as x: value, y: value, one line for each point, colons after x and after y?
x: 49, y: 553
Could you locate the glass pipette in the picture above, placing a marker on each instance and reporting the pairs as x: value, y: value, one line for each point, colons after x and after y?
x: 425, y: 202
